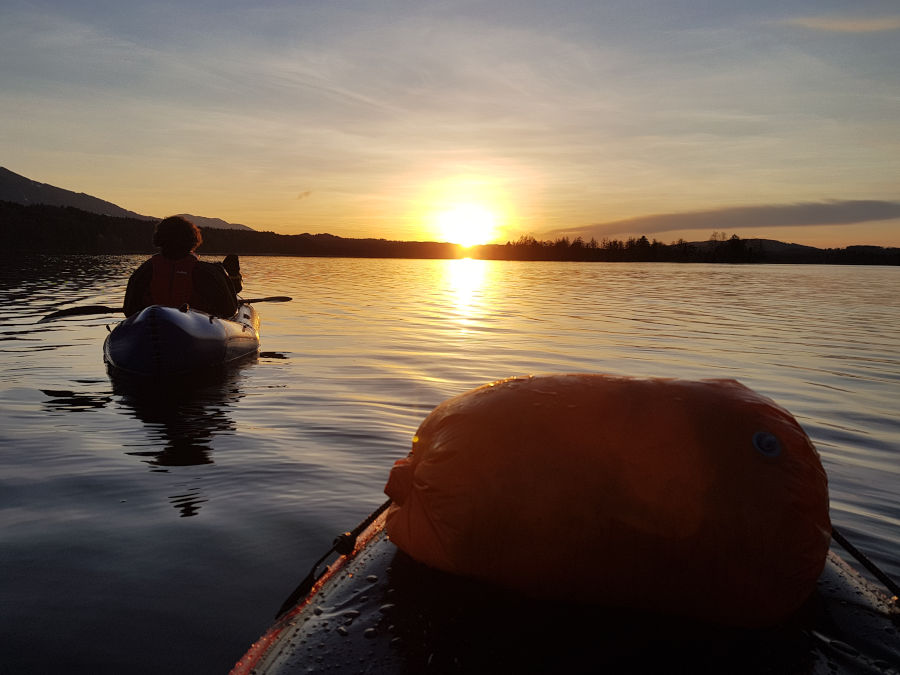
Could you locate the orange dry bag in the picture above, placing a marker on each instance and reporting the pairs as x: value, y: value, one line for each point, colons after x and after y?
x: 702, y: 498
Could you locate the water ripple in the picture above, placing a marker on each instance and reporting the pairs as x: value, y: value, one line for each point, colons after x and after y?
x: 225, y: 490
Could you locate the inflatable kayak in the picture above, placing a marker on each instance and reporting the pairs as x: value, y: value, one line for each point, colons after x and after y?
x: 588, y: 522
x: 162, y: 340
x: 377, y: 610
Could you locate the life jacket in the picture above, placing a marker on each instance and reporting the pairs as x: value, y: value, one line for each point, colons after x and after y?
x: 172, y: 284
x: 700, y: 498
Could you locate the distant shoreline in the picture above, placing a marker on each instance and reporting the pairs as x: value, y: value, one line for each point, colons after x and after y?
x: 39, y: 228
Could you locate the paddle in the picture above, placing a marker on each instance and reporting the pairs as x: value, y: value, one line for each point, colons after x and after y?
x: 271, y: 298
x: 81, y: 311
x: 103, y: 309
x: 344, y: 545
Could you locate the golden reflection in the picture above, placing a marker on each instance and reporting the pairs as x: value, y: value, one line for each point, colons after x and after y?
x: 465, y: 279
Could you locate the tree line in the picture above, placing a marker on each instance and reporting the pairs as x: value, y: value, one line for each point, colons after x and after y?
x: 718, y: 249
x: 55, y: 229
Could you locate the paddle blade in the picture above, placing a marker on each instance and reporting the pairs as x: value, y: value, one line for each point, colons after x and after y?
x: 81, y: 311
x: 271, y: 298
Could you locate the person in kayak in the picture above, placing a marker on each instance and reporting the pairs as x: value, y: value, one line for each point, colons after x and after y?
x: 175, y: 276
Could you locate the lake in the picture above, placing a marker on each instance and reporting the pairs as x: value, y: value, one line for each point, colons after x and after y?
x: 160, y: 533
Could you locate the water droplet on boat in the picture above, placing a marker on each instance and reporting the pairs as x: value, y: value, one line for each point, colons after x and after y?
x: 370, y: 633
x: 371, y: 578
x: 844, y: 647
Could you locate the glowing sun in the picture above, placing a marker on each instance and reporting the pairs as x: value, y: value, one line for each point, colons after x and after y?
x: 467, y: 225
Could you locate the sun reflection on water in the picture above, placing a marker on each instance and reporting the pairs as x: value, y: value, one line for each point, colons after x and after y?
x: 466, y: 279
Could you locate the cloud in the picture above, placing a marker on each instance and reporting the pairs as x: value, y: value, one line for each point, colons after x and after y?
x: 834, y: 24
x: 831, y: 212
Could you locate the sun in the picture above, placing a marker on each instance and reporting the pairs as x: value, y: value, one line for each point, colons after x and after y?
x: 467, y: 224
x: 466, y: 209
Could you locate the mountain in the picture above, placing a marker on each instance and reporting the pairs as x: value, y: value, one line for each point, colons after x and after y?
x: 215, y: 223
x: 21, y: 190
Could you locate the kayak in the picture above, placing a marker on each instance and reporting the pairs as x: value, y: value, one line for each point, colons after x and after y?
x: 377, y: 610
x: 583, y: 522
x: 162, y: 340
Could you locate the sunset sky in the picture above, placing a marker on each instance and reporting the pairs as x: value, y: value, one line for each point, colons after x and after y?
x: 405, y: 120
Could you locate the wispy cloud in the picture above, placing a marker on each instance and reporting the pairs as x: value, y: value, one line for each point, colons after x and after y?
x: 846, y: 24
x: 578, y: 112
x: 831, y: 212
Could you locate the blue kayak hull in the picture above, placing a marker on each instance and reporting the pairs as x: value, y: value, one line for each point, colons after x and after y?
x: 160, y: 341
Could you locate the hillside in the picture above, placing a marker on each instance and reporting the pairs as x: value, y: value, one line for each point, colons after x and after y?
x: 21, y: 190
x: 39, y: 228
x: 214, y: 223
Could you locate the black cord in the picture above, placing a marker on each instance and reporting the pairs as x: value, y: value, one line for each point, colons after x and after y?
x: 868, y: 564
x: 343, y: 544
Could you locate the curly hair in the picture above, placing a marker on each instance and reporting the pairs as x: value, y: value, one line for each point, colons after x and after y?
x: 176, y: 236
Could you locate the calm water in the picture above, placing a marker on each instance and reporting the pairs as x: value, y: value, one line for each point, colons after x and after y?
x: 141, y: 533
